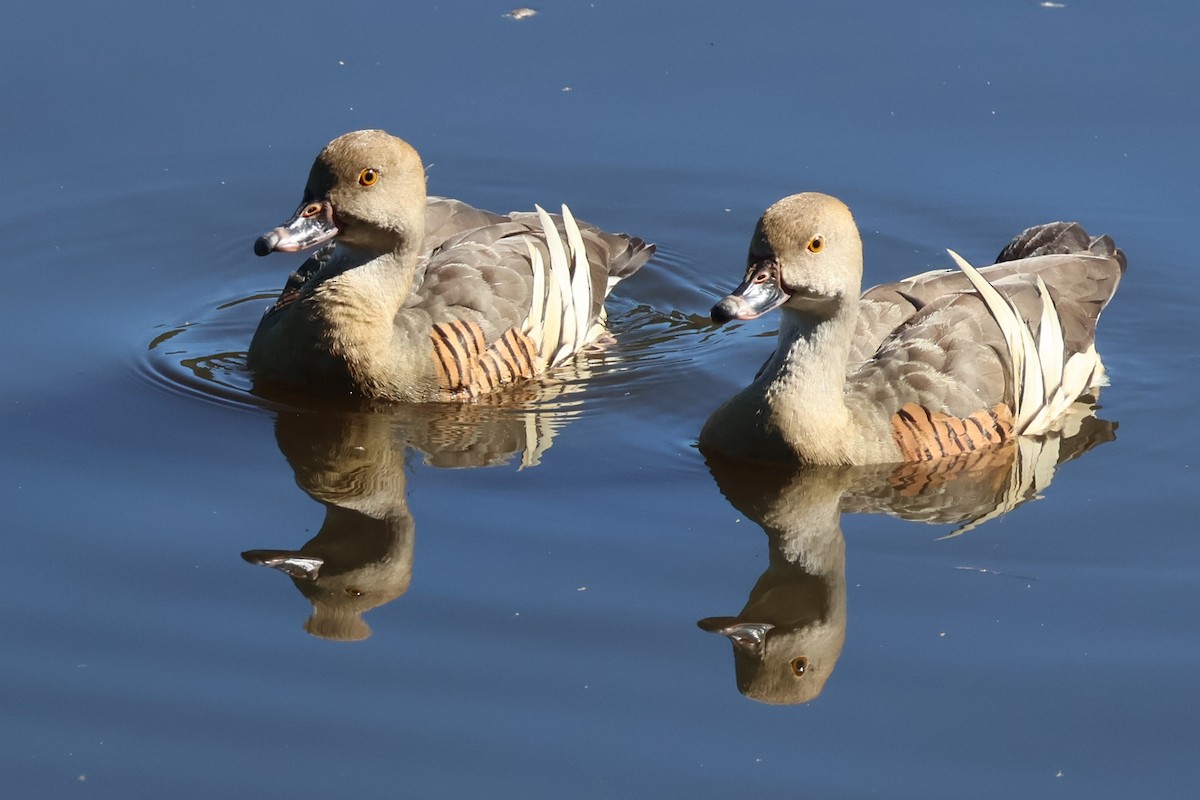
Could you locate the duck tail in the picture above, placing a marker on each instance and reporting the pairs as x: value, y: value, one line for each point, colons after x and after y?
x: 1064, y: 238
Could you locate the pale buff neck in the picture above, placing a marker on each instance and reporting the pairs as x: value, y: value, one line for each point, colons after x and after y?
x: 805, y: 386
x: 360, y: 307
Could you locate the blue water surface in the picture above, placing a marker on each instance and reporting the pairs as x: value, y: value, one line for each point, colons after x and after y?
x: 525, y: 621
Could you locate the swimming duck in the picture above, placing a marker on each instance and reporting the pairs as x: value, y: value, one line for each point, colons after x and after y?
x: 931, y: 366
x: 427, y: 299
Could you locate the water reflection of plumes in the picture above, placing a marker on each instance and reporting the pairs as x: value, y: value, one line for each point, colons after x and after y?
x: 788, y: 637
x: 353, y: 463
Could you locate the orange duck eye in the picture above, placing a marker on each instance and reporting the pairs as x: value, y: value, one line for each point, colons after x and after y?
x: 816, y: 244
x: 368, y: 177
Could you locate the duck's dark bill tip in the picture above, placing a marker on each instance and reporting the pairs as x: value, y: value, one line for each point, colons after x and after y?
x: 265, y: 244
x: 716, y: 624
x: 731, y: 308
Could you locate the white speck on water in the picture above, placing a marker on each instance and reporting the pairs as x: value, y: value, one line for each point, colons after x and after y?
x: 566, y: 88
x: 581, y: 589
x: 521, y: 13
x: 1049, y: 4
x: 1058, y: 774
x: 341, y: 63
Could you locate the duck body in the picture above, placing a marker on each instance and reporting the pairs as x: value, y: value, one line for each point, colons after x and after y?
x: 417, y: 298
x: 931, y: 366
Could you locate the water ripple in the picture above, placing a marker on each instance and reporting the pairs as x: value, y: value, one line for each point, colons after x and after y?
x: 655, y: 346
x: 205, y: 359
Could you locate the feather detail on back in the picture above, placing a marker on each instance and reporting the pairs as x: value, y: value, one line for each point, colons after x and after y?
x: 1044, y: 383
x: 562, y: 292
x: 581, y: 281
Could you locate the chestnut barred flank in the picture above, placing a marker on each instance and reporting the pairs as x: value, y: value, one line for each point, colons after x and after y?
x: 924, y: 435
x: 466, y: 368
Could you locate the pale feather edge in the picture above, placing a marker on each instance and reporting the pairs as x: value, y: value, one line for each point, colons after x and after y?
x: 581, y: 280
x: 1027, y: 368
x: 560, y: 300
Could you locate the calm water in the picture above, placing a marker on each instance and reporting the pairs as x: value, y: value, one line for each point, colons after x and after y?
x: 513, y: 601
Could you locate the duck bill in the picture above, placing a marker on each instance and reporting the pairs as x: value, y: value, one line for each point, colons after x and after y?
x: 762, y: 291
x: 287, y: 561
x: 311, y: 225
x: 748, y: 637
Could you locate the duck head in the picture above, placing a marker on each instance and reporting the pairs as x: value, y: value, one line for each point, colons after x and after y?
x: 366, y: 188
x: 805, y: 255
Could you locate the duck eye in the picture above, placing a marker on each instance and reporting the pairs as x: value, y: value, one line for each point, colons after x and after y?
x: 799, y: 663
x: 816, y: 244
x: 368, y: 177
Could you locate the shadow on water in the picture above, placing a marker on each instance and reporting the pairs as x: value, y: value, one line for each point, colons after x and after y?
x: 789, y: 635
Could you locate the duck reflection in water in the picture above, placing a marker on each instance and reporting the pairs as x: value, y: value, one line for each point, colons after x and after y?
x: 788, y: 637
x: 353, y: 463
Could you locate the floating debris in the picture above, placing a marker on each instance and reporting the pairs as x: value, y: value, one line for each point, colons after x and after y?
x: 1052, y: 5
x: 521, y: 13
x: 986, y: 571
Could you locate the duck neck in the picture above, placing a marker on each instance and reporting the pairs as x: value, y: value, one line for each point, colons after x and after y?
x: 384, y: 280
x: 805, y: 383
x: 361, y: 302
x: 369, y: 287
